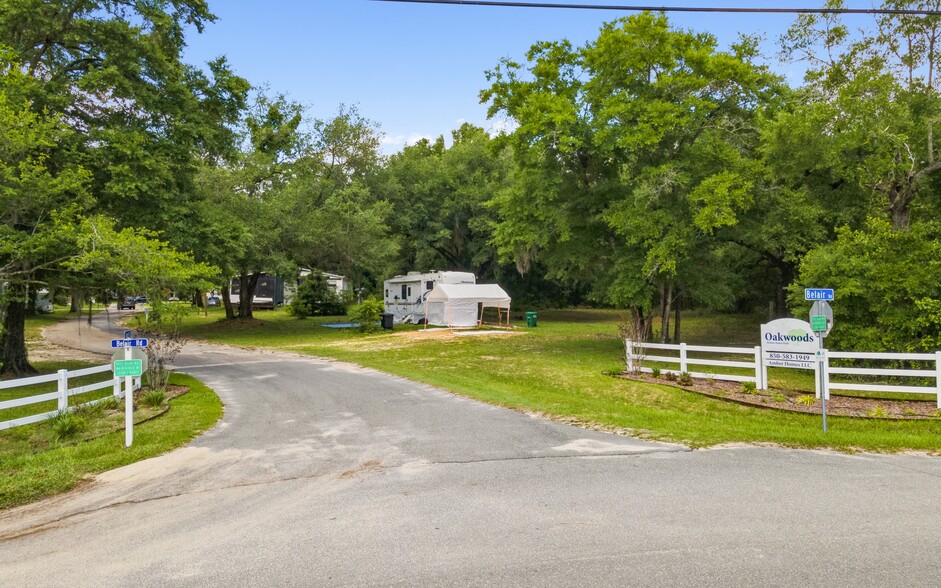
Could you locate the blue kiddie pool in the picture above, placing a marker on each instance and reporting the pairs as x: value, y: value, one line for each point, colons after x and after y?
x: 340, y: 325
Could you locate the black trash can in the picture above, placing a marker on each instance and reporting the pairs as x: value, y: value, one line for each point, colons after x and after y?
x: 387, y: 321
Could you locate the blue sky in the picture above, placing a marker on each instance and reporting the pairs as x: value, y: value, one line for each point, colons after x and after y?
x: 416, y: 70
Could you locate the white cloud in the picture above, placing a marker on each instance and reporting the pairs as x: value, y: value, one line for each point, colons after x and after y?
x: 393, y: 143
x: 503, y: 125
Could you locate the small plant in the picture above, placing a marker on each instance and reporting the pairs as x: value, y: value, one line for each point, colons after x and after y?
x: 669, y: 376
x: 89, y: 411
x: 367, y: 315
x: 807, y: 400
x: 877, y: 412
x: 613, y: 371
x: 153, y: 399
x: 66, y: 424
x: 685, y: 379
x: 110, y: 403
x: 655, y: 372
x: 779, y: 398
x: 749, y: 388
x: 910, y: 412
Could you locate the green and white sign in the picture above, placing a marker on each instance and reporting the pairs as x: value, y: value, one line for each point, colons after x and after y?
x: 818, y: 323
x: 124, y: 368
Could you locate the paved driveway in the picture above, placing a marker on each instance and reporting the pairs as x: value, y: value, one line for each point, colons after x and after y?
x: 325, y: 474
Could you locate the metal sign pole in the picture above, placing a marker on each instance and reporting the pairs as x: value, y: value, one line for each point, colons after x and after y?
x: 823, y: 383
x: 128, y: 404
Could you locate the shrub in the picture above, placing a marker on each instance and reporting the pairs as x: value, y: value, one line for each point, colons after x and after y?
x: 669, y: 376
x: 685, y: 379
x: 749, y: 388
x: 655, y: 372
x: 779, y: 398
x: 807, y: 400
x: 368, y: 315
x: 877, y: 412
x: 110, y: 403
x: 154, y: 398
x: 316, y: 297
x: 65, y: 425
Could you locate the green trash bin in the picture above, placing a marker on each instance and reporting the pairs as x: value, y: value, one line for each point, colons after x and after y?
x: 530, y: 319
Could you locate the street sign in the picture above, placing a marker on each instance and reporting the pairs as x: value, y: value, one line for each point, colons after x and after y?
x: 128, y: 368
x: 823, y: 315
x: 122, y: 343
x: 135, y: 353
x: 818, y: 293
x: 818, y: 323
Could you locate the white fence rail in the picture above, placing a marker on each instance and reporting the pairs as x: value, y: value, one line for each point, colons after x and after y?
x: 931, y: 372
x: 638, y: 351
x: 62, y: 394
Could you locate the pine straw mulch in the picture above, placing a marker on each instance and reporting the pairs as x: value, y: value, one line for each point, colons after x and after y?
x: 780, y: 399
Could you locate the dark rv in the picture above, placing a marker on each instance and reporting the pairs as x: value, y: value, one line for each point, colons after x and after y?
x: 269, y: 292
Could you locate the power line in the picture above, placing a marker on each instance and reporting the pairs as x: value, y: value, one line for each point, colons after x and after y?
x: 885, y: 11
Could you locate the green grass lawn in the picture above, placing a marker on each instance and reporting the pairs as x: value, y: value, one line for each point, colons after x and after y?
x: 33, y: 464
x: 556, y: 369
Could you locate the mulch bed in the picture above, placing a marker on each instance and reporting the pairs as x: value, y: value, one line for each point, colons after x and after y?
x: 779, y: 399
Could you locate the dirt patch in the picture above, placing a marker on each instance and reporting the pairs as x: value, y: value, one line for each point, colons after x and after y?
x: 790, y: 400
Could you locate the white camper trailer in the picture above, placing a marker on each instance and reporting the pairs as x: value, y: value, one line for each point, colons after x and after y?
x: 405, y: 295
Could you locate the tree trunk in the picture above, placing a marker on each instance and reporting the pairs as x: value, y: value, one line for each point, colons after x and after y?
x: 13, y: 341
x: 227, y: 302
x: 77, y: 300
x: 901, y: 216
x: 676, y: 322
x: 666, y: 305
x: 247, y: 285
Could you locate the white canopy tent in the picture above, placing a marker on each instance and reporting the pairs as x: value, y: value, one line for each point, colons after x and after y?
x: 461, y: 305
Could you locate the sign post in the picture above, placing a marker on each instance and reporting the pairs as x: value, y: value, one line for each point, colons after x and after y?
x: 821, y: 321
x: 128, y: 368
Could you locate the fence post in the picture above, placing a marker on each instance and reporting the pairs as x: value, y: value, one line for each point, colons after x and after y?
x: 63, y: 389
x: 759, y: 371
x: 629, y: 353
x: 937, y: 365
x: 683, y: 358
x: 817, y: 379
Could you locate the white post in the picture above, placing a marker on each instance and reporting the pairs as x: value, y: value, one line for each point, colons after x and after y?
x: 683, y: 358
x: 116, y: 388
x: 817, y: 379
x: 826, y: 373
x: 630, y: 357
x: 128, y: 404
x: 63, y: 388
x: 937, y: 365
x: 759, y: 375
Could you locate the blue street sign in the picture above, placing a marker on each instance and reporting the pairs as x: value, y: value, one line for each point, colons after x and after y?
x: 818, y: 293
x: 121, y: 343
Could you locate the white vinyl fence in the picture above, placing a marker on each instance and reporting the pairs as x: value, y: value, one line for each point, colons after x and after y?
x: 637, y: 354
x: 931, y: 371
x: 62, y: 393
x: 638, y: 351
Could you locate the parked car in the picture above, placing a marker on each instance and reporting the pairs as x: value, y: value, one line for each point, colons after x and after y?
x: 213, y: 301
x: 141, y: 299
x: 127, y: 304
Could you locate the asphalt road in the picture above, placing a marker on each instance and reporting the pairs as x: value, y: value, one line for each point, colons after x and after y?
x: 325, y: 474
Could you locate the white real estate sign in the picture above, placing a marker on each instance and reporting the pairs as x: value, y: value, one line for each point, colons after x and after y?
x: 789, y: 343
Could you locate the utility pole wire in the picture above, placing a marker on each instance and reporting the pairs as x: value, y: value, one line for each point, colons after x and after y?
x: 634, y: 8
